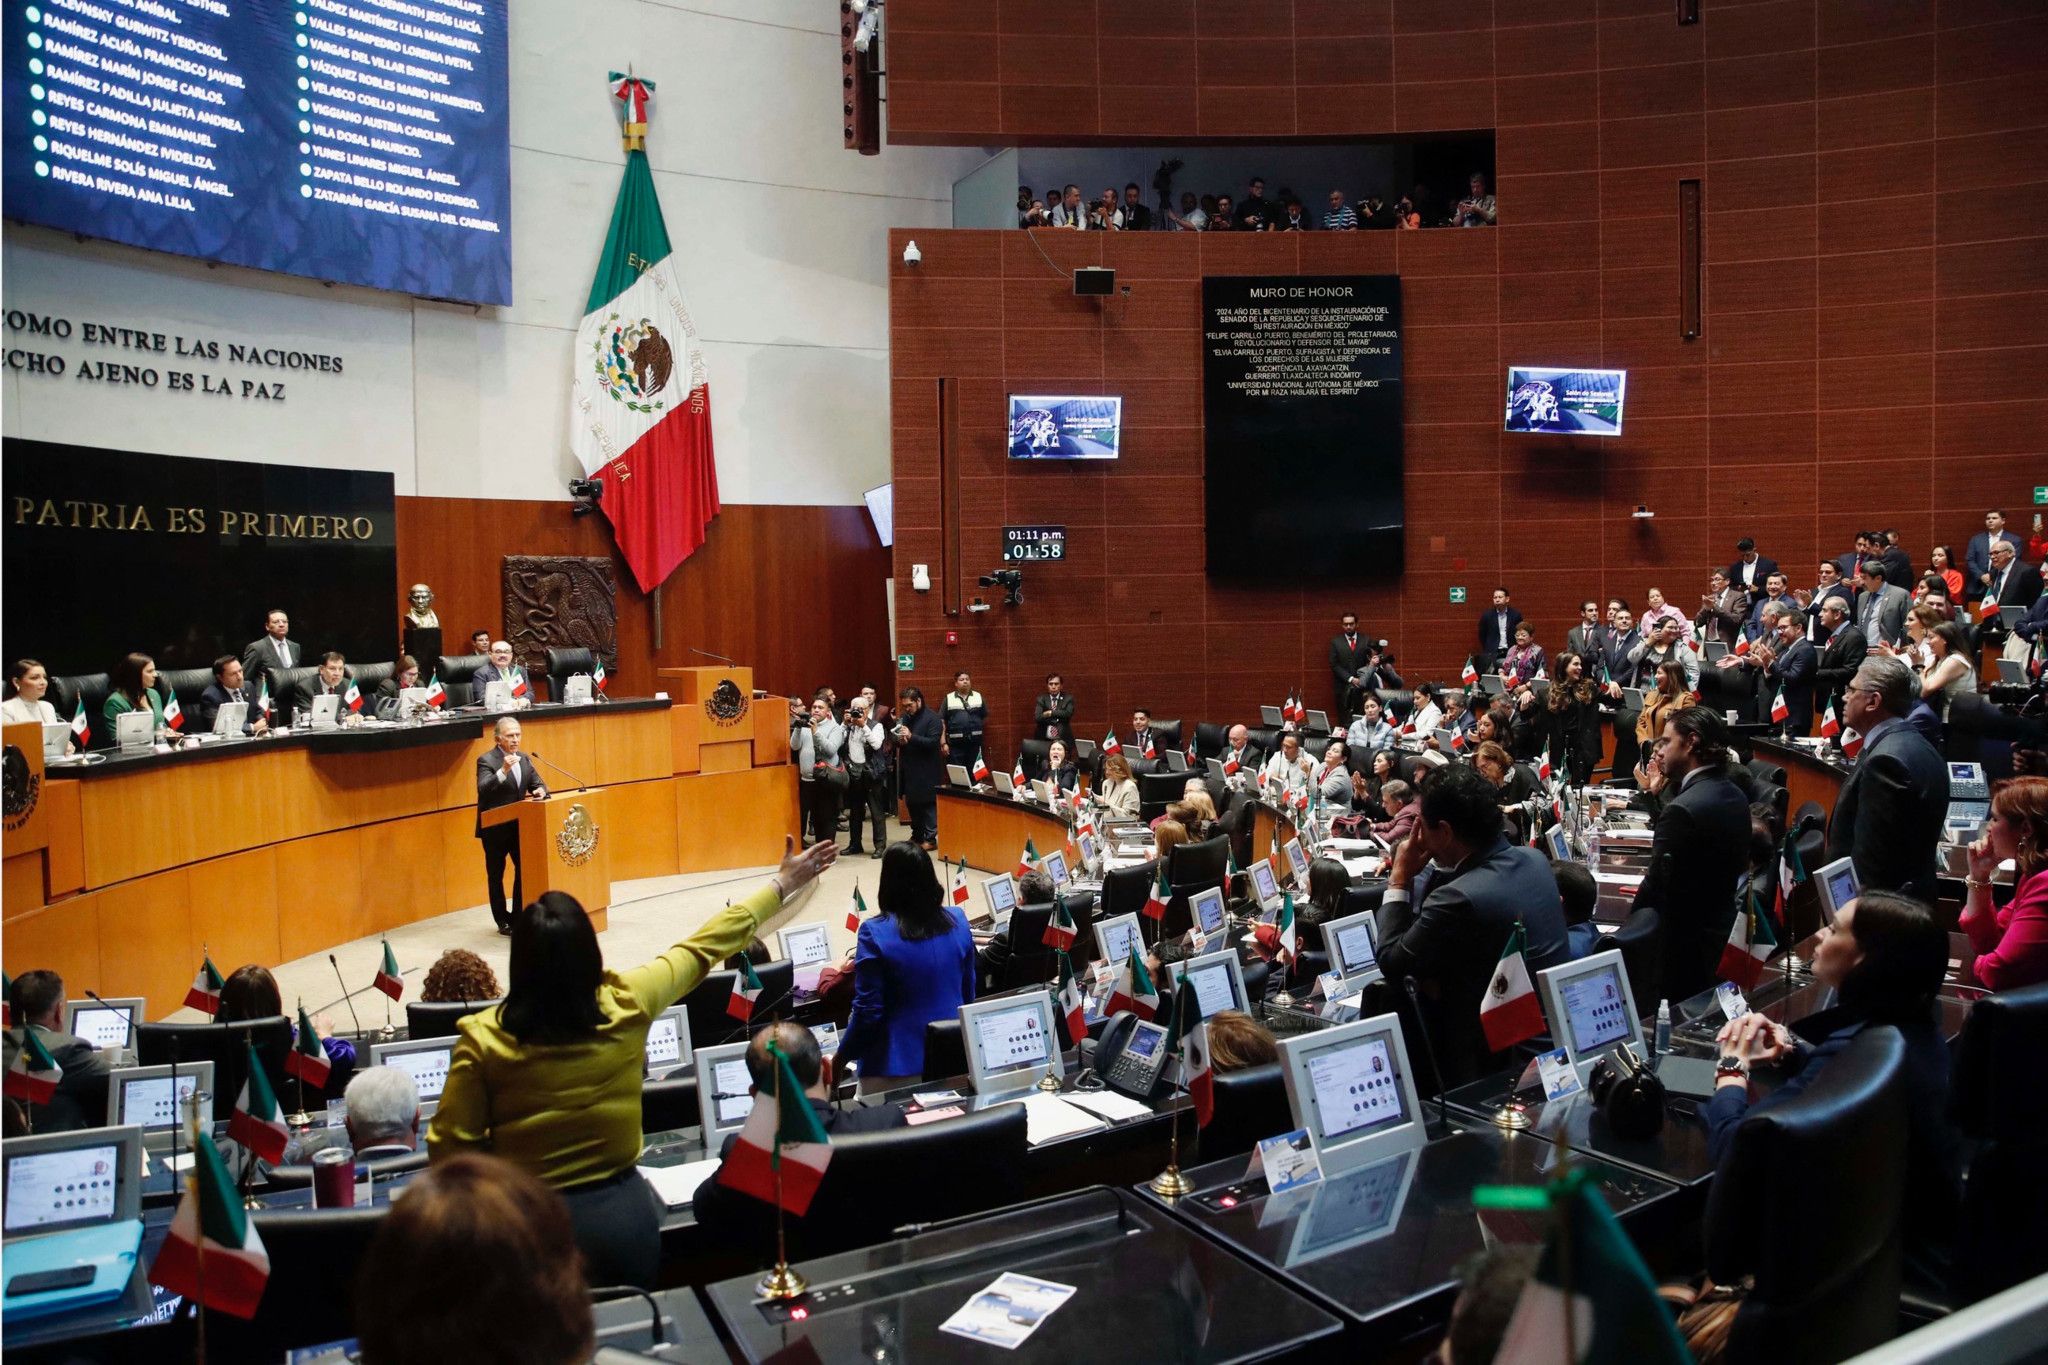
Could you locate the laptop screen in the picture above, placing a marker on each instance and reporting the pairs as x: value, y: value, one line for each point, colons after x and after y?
x: 428, y: 1066
x: 151, y: 1103
x: 70, y: 1188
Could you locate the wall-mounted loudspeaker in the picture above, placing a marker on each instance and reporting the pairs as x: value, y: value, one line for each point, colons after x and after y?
x: 1094, y: 281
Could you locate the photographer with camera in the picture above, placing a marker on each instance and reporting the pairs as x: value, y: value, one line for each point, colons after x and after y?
x: 818, y: 744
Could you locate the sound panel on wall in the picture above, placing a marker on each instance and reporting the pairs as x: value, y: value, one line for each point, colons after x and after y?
x: 1301, y: 403
x: 1689, y: 256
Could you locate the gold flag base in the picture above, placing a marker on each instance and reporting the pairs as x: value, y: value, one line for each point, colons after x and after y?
x: 1513, y: 1115
x: 1171, y: 1184
x: 781, y: 1282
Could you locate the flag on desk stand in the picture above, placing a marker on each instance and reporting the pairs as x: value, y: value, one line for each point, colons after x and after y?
x: 1830, y: 724
x: 960, y: 892
x: 1543, y: 769
x: 204, y: 993
x: 746, y: 989
x: 352, y: 697
x: 81, y: 728
x: 1191, y: 1030
x: 1509, y: 679
x: 1791, y: 872
x: 1156, y: 899
x: 1018, y: 782
x: 640, y: 402
x: 174, y: 714
x: 1151, y: 749
x: 388, y: 980
x: 1750, y: 945
x: 980, y: 773
x: 1073, y: 1001
x: 437, y: 695
x: 1134, y: 989
x: 1111, y: 744
x: 257, y: 1123
x: 599, y: 679
x: 263, y: 702
x: 1741, y: 645
x: 1278, y: 940
x: 212, y: 1226
x: 33, y: 1075
x: 1060, y: 931
x: 1509, y: 1011
x: 1194, y: 761
x: 1781, y: 710
x: 782, y: 1151
x: 519, y: 688
x: 308, y: 1059
x: 1470, y: 674
x: 1852, y: 743
x: 859, y: 908
x: 1028, y: 861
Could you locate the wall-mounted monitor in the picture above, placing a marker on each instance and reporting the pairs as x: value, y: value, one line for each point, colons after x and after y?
x: 1065, y: 427
x: 1565, y: 402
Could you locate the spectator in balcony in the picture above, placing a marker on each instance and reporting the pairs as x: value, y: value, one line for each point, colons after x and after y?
x: 1477, y: 208
x: 1069, y: 212
x: 1340, y: 216
x: 1293, y: 217
x: 1137, y: 218
x: 1106, y: 214
x: 1374, y: 213
x: 1025, y: 201
x: 1222, y: 218
x: 1256, y: 211
x: 1191, y: 217
x: 1406, y: 216
x: 1034, y: 215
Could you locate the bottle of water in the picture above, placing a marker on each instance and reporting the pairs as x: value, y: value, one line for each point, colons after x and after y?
x: 1593, y: 844
x: 1663, y: 1027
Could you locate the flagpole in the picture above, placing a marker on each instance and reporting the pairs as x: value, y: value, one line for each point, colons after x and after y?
x: 301, y: 1119
x: 198, y: 1231
x: 1170, y: 1183
x: 781, y: 1282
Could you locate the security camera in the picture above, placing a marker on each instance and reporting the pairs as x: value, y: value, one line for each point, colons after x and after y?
x: 911, y: 255
x: 585, y: 495
x: 1011, y: 581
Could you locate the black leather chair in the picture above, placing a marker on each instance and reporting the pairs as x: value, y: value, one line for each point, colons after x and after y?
x: 1033, y: 753
x: 1156, y: 791
x: 1251, y: 1105
x: 309, y: 1299
x: 1030, y: 963
x: 185, y: 684
x: 1257, y: 976
x: 291, y: 688
x: 225, y: 1046
x: 1198, y: 866
x: 564, y: 664
x: 370, y: 677
x: 437, y: 1018
x: 1826, y: 1278
x: 1998, y: 1104
x: 945, y: 1050
x: 299, y: 1177
x: 668, y: 1104
x: 1637, y: 939
x: 1210, y: 740
x: 705, y: 1006
x: 1767, y: 771
x: 91, y: 688
x: 1166, y: 734
x: 1396, y: 701
x: 1123, y: 893
x: 454, y: 671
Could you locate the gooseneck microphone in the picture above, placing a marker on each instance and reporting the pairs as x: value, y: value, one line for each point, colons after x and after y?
x: 345, y: 994
x: 581, y: 785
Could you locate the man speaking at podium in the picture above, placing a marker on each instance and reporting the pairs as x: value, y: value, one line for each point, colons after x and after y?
x: 503, y: 776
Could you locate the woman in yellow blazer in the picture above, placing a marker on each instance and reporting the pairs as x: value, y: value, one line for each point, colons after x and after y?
x: 133, y: 687
x: 550, y: 1078
x: 1659, y: 702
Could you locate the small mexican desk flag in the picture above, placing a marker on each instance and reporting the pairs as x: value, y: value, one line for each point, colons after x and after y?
x: 781, y: 1137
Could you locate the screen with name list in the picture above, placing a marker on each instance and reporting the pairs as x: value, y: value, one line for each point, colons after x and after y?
x: 664, y: 1043
x: 1356, y: 1089
x: 150, y: 1103
x: 1209, y: 910
x: 357, y: 141
x: 1842, y: 887
x: 1595, y: 1011
x: 808, y: 945
x: 1008, y: 1039
x: 1056, y: 867
x: 428, y: 1069
x: 1001, y: 893
x: 105, y: 1029
x: 51, y: 1189
x: 1118, y: 938
x: 732, y: 1094
x: 1354, y: 948
x: 1213, y: 988
x: 1263, y: 884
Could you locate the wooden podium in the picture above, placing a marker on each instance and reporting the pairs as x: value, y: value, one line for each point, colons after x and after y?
x: 26, y: 829
x: 565, y: 845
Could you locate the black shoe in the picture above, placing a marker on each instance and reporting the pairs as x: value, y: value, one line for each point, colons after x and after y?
x: 505, y: 930
x: 852, y: 850
x: 877, y: 853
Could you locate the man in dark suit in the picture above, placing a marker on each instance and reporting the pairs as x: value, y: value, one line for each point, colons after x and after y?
x: 1977, y: 558
x: 275, y: 652
x: 1137, y: 218
x: 499, y: 669
x: 1842, y: 652
x: 1888, y: 817
x: 1140, y: 734
x: 1053, y: 713
x: 1349, y: 652
x: 1880, y: 607
x: 2015, y: 586
x: 1496, y: 631
x: 1699, y: 854
x: 81, y: 1099
x: 1898, y: 565
x: 1587, y: 638
x: 1454, y: 893
x: 920, y: 767
x: 228, y: 685
x: 1790, y: 671
x: 1750, y: 569
x: 504, y: 775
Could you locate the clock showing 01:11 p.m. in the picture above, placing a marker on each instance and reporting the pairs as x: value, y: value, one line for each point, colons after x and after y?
x: 1032, y: 544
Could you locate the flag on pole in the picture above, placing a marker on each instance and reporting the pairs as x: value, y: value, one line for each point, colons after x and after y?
x: 264, y: 705
x: 746, y: 989
x: 1151, y: 749
x: 1458, y: 741
x: 437, y: 695
x: 519, y: 688
x: 1028, y: 861
x: 212, y: 1224
x: 640, y: 404
x: 1781, y: 710
x: 1197, y: 1073
x: 1156, y: 899
x: 1830, y: 725
x: 1060, y: 931
x: 1510, y: 1011
x: 1543, y: 768
x: 1229, y: 766
x: 1791, y: 872
x: 1112, y: 745
x: 1294, y: 712
x: 1017, y: 779
x: 1073, y: 1002
x: 388, y: 980
x: 599, y: 679
x: 1277, y: 940
x: 1470, y: 674
x: 174, y: 714
x: 1509, y: 679
x: 857, y: 910
x: 308, y: 1059
x: 81, y: 728
x: 782, y: 1151
x: 33, y: 1075
x: 980, y: 773
x: 1750, y: 945
x: 960, y: 892
x: 1193, y: 761
x: 1134, y: 990
x: 204, y: 992
x: 256, y: 1123
x: 352, y: 697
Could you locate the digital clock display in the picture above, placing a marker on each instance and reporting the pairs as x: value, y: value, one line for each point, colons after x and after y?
x: 1030, y: 544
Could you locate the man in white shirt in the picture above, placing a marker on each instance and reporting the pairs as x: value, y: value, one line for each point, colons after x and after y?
x: 1070, y: 212
x: 1287, y: 772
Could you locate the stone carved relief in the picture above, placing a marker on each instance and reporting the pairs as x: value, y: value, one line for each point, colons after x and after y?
x: 560, y: 602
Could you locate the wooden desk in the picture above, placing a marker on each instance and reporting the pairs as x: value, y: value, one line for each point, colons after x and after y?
x: 268, y: 850
x: 988, y: 832
x: 1807, y: 777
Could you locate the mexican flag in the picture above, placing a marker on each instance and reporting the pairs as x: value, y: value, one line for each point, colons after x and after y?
x: 856, y: 910
x: 640, y: 402
x: 263, y: 703
x: 1192, y: 759
x: 960, y: 892
x: 782, y: 1151
x: 1196, y: 1072
x: 1060, y: 931
x: 308, y: 1059
x: 1151, y: 749
x: 34, y: 1074
x: 1543, y: 769
x: 1028, y: 860
x: 174, y: 714
x: 1510, y: 1011
x: 81, y: 728
x: 1134, y: 989
x: 1781, y: 710
x: 352, y: 696
x: 980, y: 773
x: 599, y: 679
x: 1073, y: 1003
x: 1791, y: 872
x: 519, y: 688
x: 256, y: 1123
x: 204, y: 993
x: 1111, y: 744
x: 437, y: 695
x: 388, y: 980
x: 1155, y: 901
x: 212, y: 1224
x: 1830, y: 724
x: 1750, y: 944
x: 1018, y: 782
x: 746, y: 989
x: 1852, y: 744
x: 1470, y: 674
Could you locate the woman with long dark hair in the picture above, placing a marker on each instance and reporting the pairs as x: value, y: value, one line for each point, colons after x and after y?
x: 550, y: 1078
x: 912, y: 963
x: 133, y: 686
x: 1572, y: 720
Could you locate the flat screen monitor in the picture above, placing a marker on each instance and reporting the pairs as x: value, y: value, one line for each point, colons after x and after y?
x: 1011, y: 1041
x: 725, y: 1090
x: 145, y: 1097
x: 1837, y: 884
x: 58, y: 1181
x: 668, y: 1043
x: 1349, y: 1087
x: 1065, y: 427
x: 1208, y: 910
x: 1116, y: 936
x: 956, y: 775
x: 1084, y: 844
x: 1001, y: 894
x: 1353, y: 954
x: 423, y: 1059
x: 1349, y: 1210
x: 1217, y: 980
x: 1055, y: 863
x: 1590, y: 1009
x: 1297, y: 858
x: 805, y: 945
x: 1565, y: 401
x: 106, y: 1023
x: 1265, y: 886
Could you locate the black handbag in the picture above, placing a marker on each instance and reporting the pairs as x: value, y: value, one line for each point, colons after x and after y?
x: 1628, y: 1094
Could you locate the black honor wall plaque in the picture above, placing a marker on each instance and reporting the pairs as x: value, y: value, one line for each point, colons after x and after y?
x: 1301, y: 403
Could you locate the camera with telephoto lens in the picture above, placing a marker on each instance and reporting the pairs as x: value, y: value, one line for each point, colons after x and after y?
x: 1011, y: 581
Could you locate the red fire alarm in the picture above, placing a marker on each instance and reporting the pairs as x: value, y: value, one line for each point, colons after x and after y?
x: 952, y: 637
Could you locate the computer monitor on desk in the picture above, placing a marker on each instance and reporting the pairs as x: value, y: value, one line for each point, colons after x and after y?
x: 1217, y: 980
x: 144, y: 1097
x: 1590, y: 1008
x: 60, y: 1181
x: 1836, y: 885
x: 1208, y: 911
x: 668, y: 1043
x: 107, y: 1023
x: 1116, y: 936
x: 805, y: 945
x: 1011, y: 1041
x: 1353, y: 954
x: 1001, y: 894
x: 1055, y: 863
x: 725, y: 1091
x: 1265, y: 886
x: 425, y: 1060
x: 1349, y: 1087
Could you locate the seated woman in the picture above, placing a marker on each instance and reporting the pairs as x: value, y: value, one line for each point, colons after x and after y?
x: 1060, y: 769
x: 1202, y: 819
x: 28, y: 682
x: 1333, y: 779
x: 250, y: 992
x: 1526, y: 659
x: 459, y: 975
x: 1402, y: 812
x: 404, y: 673
x: 912, y: 963
x: 1885, y: 957
x: 1499, y: 769
x: 133, y: 688
x: 1327, y: 883
x: 550, y: 1079
x: 1238, y: 1042
x: 1171, y: 832
x: 2012, y: 943
x: 1369, y: 792
x: 1119, y: 794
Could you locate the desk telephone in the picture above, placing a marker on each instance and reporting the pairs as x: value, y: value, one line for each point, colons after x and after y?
x: 1129, y: 1057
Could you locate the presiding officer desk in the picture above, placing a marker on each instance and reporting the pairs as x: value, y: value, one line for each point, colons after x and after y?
x: 265, y: 850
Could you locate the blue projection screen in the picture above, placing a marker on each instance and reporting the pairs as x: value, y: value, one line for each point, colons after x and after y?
x: 359, y: 141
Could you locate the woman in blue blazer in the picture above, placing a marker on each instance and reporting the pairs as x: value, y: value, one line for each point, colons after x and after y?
x: 913, y: 963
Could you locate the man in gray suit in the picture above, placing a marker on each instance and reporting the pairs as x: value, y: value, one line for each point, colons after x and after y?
x: 1455, y: 891
x: 275, y: 654
x: 1880, y: 607
x: 1888, y: 817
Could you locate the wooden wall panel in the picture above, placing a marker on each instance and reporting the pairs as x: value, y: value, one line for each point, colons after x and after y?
x: 1872, y: 350
x: 643, y: 829
x: 320, y: 893
x: 238, y: 900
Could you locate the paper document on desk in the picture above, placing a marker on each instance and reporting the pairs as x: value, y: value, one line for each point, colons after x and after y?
x: 677, y: 1185
x: 1047, y: 1118
x: 1108, y: 1104
x: 1627, y: 835
x: 1007, y: 1312
x: 1627, y: 881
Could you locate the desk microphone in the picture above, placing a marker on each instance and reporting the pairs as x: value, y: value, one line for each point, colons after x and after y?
x: 345, y: 993
x: 1443, y: 1096
x: 581, y: 785
x: 720, y: 657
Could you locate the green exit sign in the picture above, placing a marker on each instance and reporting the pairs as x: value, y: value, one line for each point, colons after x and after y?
x: 1457, y: 596
x: 905, y: 662
x: 2040, y: 496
